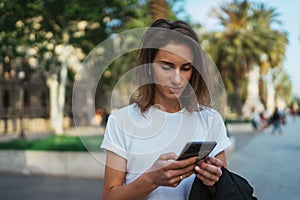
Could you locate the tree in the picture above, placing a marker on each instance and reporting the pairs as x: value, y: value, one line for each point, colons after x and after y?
x: 54, y: 33
x: 53, y: 37
x: 283, y: 87
x: 247, y: 40
x: 273, y: 43
x: 231, y: 49
x: 143, y: 17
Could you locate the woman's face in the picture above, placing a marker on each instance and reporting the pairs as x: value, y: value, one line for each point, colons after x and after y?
x: 172, y: 70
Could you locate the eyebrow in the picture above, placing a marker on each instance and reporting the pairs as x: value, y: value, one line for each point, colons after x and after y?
x: 172, y: 64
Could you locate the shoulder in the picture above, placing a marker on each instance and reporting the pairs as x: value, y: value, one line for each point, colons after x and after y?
x: 126, y: 113
x: 126, y: 109
x: 209, y: 116
x: 208, y: 112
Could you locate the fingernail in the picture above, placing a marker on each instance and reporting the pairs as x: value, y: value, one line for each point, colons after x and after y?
x: 197, y: 168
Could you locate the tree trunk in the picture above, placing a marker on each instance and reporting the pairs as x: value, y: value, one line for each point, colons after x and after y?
x: 262, y: 91
x: 57, y: 99
x: 238, y: 100
x: 271, y: 94
x: 253, y: 93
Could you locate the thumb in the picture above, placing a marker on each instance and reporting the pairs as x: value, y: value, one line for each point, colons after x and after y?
x: 168, y: 156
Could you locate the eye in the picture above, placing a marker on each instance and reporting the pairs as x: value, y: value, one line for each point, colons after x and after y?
x: 165, y: 67
x: 186, y: 68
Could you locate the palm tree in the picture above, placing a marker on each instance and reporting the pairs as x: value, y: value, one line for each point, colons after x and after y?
x: 276, y: 52
x: 233, y: 49
x: 247, y: 40
x: 272, y: 43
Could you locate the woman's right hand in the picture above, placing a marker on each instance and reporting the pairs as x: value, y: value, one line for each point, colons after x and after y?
x: 167, y: 171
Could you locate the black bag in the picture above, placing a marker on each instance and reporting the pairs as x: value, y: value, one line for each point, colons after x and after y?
x: 229, y: 187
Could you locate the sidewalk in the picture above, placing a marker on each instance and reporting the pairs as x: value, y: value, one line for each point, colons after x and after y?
x: 271, y: 162
x: 33, y: 187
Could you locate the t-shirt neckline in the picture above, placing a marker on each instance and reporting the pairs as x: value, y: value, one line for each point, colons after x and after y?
x: 160, y: 113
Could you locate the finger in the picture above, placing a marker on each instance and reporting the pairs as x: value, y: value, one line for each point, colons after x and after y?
x: 173, y: 174
x: 177, y: 179
x: 180, y: 164
x: 204, y: 180
x: 188, y: 174
x: 168, y: 156
x: 216, y: 170
x: 183, y: 171
x: 187, y: 162
x: 214, y: 161
x: 213, y: 170
x: 173, y: 182
x: 200, y: 162
x: 208, y: 174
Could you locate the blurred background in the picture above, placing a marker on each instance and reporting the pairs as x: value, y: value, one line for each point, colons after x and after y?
x: 43, y: 43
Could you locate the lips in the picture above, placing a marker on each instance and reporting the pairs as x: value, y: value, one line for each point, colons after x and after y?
x: 175, y: 90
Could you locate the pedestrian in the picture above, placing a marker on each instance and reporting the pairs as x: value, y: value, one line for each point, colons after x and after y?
x: 255, y: 120
x: 170, y: 108
x: 263, y: 120
x: 276, y: 120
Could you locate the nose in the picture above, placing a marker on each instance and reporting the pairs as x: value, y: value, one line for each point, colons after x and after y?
x: 176, y: 77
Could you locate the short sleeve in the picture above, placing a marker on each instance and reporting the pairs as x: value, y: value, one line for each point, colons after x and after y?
x: 114, y: 138
x: 217, y: 132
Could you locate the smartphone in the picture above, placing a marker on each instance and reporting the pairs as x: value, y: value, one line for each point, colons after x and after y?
x: 200, y: 149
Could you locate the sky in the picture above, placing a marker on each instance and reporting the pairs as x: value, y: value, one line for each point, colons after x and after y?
x: 289, y: 16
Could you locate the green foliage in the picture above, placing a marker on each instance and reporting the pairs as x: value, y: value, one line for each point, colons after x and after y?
x: 140, y: 18
x: 295, y: 100
x: 236, y: 120
x: 55, y: 143
x: 248, y: 39
x: 40, y: 24
x: 283, y: 86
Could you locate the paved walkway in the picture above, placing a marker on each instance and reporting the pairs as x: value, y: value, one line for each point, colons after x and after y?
x: 271, y: 163
x: 33, y: 187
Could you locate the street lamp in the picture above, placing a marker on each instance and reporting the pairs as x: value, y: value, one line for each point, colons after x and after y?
x: 21, y: 77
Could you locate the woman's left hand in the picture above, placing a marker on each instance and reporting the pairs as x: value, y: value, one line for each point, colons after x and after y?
x: 208, y: 170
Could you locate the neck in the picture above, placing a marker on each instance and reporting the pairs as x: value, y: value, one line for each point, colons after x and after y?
x: 170, y: 106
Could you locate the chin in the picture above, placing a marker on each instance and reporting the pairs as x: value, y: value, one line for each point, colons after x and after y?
x: 173, y: 96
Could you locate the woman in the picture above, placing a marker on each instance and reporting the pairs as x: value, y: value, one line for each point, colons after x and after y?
x: 169, y: 109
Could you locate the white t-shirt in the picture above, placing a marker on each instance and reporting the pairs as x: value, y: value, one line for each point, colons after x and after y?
x: 141, y: 139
